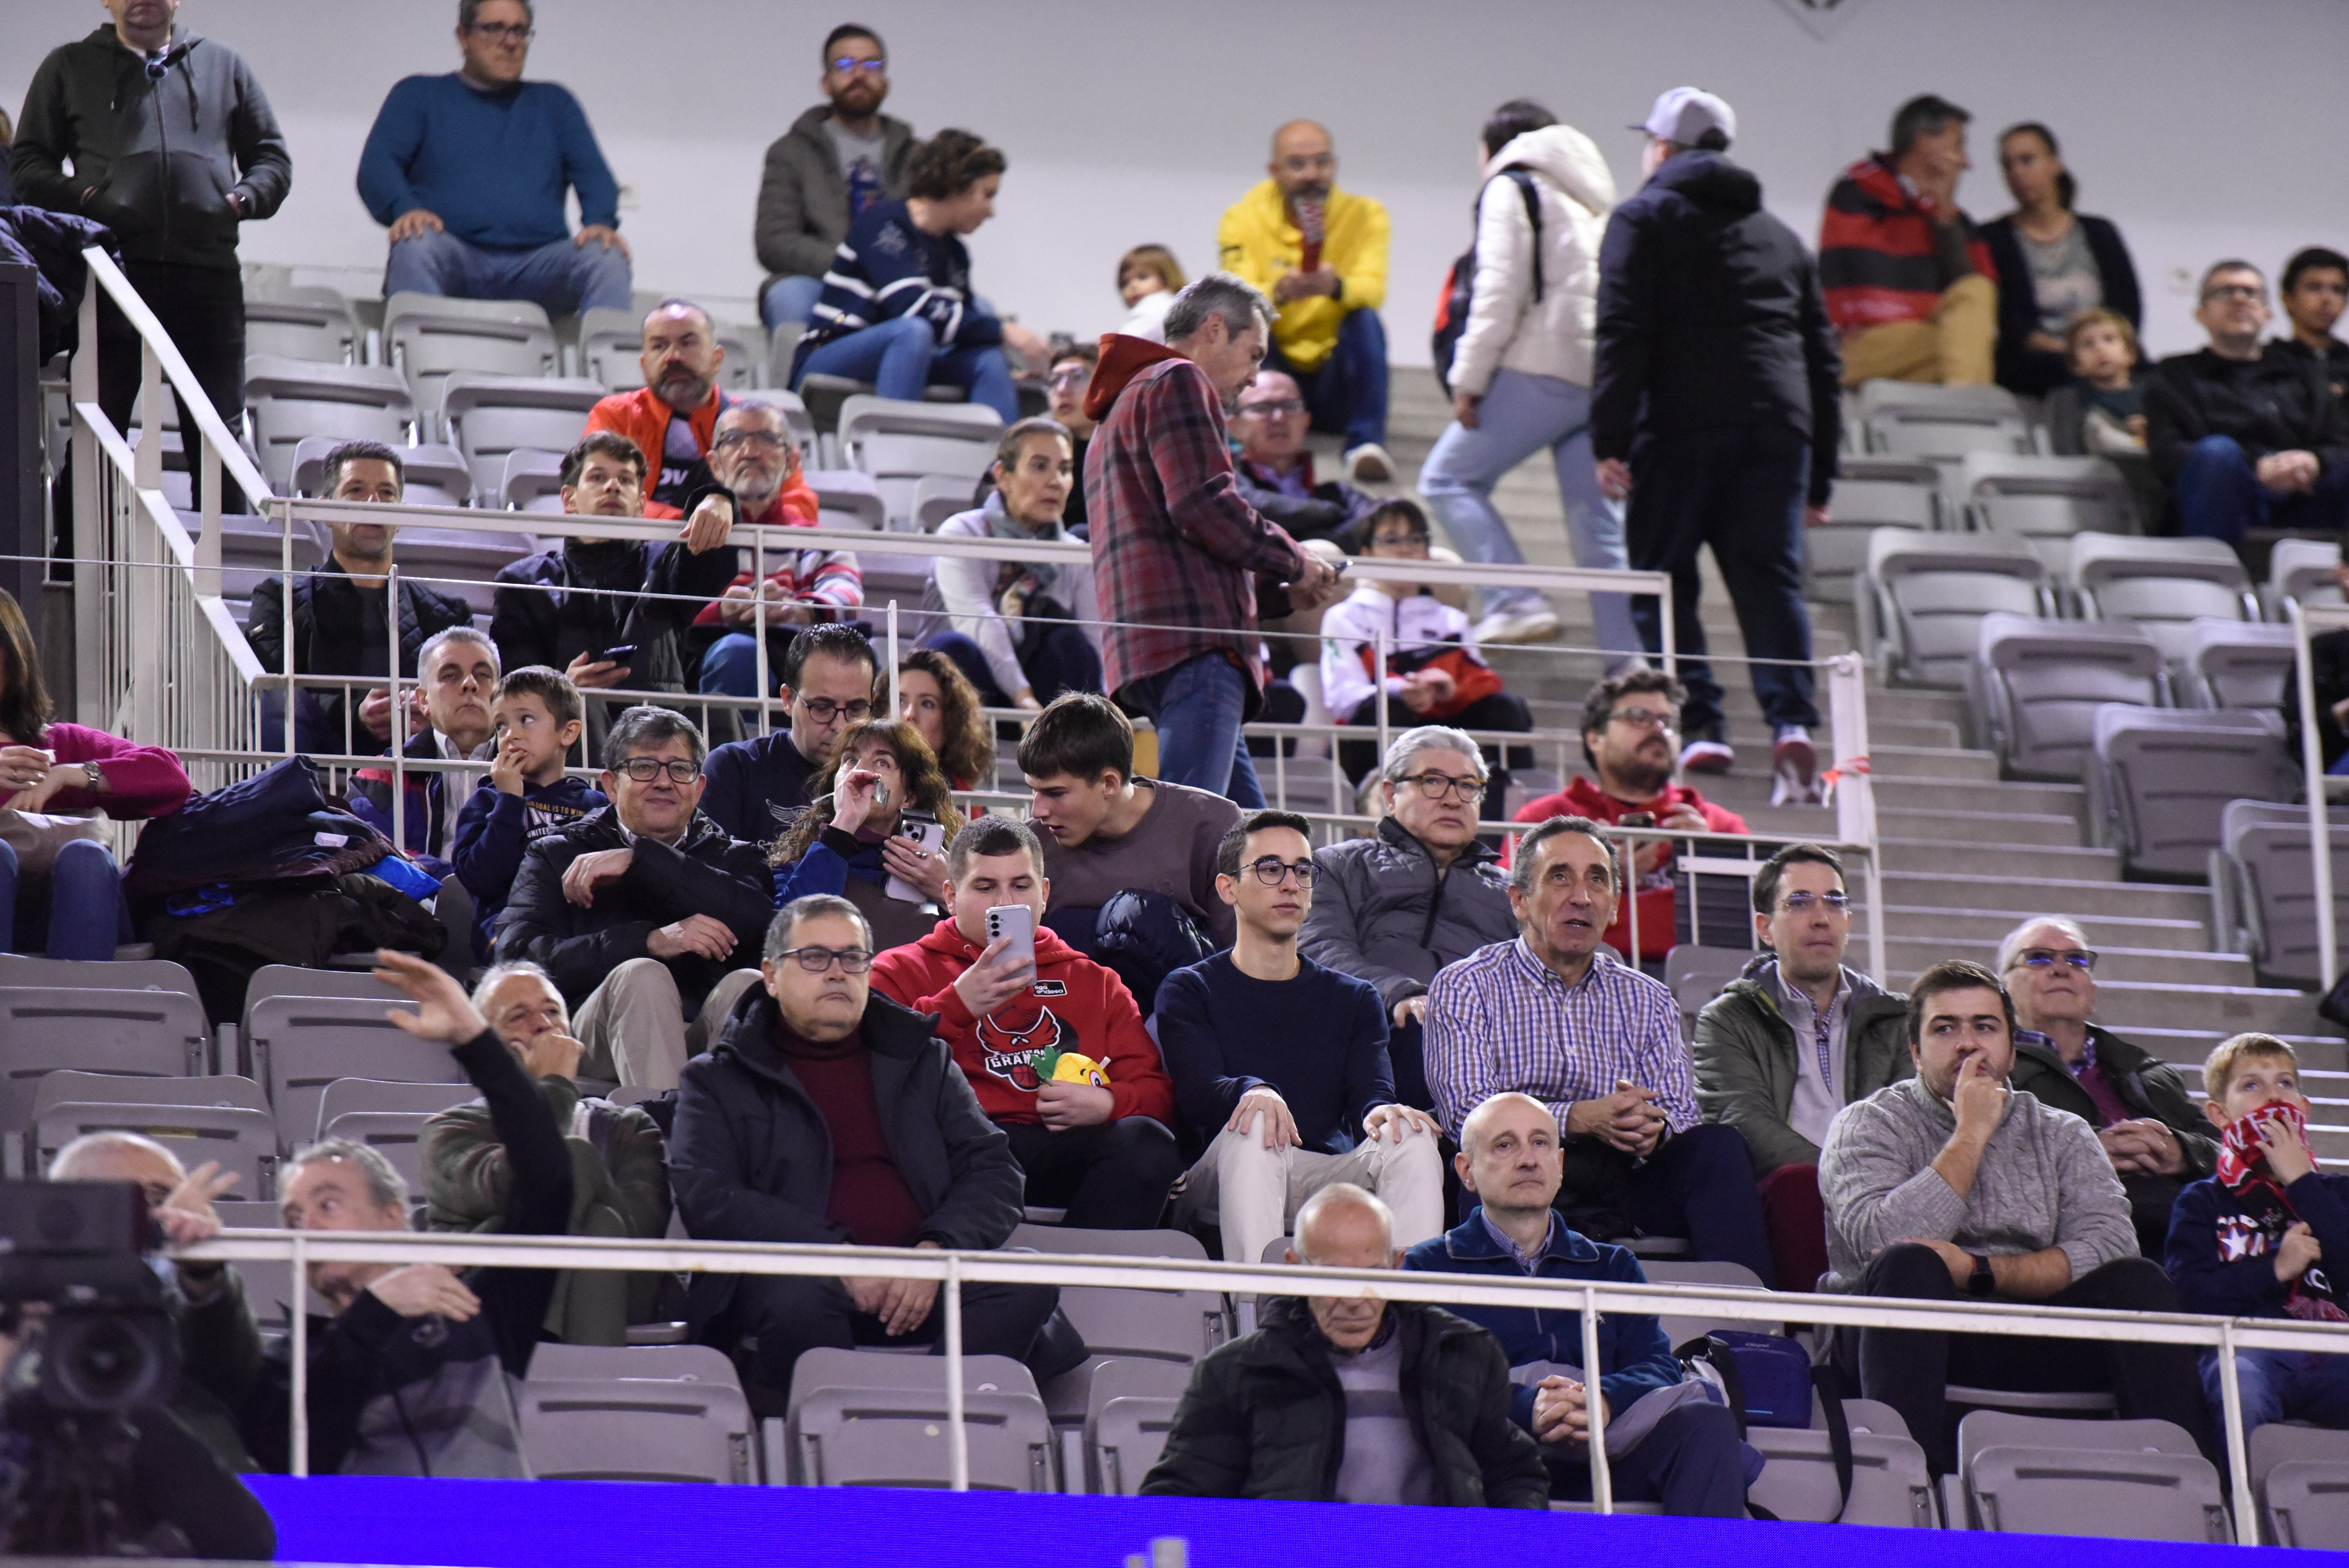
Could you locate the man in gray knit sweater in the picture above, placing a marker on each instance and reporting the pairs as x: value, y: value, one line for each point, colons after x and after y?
x: 1950, y: 1185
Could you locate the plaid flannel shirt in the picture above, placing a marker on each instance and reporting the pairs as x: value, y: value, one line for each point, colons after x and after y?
x: 1173, y: 545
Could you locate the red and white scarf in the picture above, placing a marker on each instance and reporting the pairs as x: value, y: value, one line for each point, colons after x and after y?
x: 2241, y: 1156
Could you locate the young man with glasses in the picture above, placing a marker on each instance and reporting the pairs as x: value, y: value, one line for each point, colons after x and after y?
x: 837, y: 159
x: 1065, y: 385
x: 1793, y: 1040
x: 757, y: 786
x: 469, y: 172
x: 646, y: 915
x: 1280, y: 1065
x: 826, y: 1114
x: 1629, y: 740
x: 2245, y: 434
x: 2147, y: 1117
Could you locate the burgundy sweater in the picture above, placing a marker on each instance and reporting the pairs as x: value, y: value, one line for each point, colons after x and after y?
x: 148, y: 780
x: 868, y: 1197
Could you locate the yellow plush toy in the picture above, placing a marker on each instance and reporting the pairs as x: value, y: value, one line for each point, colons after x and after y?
x: 1068, y: 1067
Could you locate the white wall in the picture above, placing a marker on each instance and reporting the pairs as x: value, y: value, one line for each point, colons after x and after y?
x: 2202, y: 129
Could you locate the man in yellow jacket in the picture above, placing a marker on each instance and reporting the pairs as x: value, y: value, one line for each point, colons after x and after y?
x: 1321, y: 255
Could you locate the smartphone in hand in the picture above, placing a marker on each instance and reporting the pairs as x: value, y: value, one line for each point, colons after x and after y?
x: 1018, y: 922
x: 926, y: 831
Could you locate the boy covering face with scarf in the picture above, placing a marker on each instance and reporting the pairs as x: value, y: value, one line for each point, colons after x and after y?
x: 2257, y: 1238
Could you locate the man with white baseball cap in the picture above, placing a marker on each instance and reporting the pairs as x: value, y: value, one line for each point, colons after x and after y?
x: 1714, y: 408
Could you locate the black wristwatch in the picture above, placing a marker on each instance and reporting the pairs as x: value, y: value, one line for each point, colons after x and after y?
x: 1981, y: 1281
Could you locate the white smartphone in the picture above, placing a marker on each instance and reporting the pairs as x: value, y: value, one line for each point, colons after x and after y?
x: 931, y: 834
x: 1018, y: 922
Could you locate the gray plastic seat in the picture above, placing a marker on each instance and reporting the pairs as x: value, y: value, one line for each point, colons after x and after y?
x: 302, y: 324
x: 301, y: 1044
x: 938, y: 497
x: 1870, y: 493
x: 1682, y: 1327
x: 2137, y: 1481
x: 636, y: 1428
x: 2265, y: 891
x: 2300, y: 1477
x: 1929, y: 592
x: 2232, y: 663
x: 1891, y: 1485
x: 531, y: 481
x: 1945, y: 435
x: 846, y: 498
x: 1697, y: 976
x: 796, y: 419
x: 349, y: 1095
x: 2162, y: 585
x: 464, y: 562
x: 870, y: 1418
x: 1124, y: 1439
x: 2038, y: 685
x: 429, y: 338
x: 611, y: 342
x: 2044, y: 499
x: 241, y: 1140
x: 294, y: 980
x: 138, y: 1034
x: 899, y: 443
x: 1931, y: 398
x: 2301, y: 569
x: 2161, y: 778
x: 556, y: 1362
x: 397, y: 1135
x: 292, y: 399
x: 486, y: 416
x: 106, y: 974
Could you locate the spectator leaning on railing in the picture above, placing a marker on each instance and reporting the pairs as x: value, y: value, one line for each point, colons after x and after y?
x: 673, y: 417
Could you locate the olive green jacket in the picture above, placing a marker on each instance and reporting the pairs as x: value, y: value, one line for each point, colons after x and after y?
x: 1747, y: 1060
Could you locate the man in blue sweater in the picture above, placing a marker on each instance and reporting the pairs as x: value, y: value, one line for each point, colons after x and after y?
x: 469, y: 171
x: 1666, y: 1442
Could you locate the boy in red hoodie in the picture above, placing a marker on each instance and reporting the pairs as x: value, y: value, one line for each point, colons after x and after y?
x: 1108, y: 1156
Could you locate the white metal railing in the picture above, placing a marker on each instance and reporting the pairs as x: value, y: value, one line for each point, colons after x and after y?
x: 2307, y: 620
x: 298, y: 1249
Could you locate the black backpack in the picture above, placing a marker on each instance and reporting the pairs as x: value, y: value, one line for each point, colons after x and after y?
x: 1460, y: 285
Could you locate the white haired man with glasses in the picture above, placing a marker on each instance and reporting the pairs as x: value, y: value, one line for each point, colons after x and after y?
x: 1419, y: 893
x: 1280, y: 1065
x: 647, y: 914
x: 828, y: 1114
x: 2148, y: 1119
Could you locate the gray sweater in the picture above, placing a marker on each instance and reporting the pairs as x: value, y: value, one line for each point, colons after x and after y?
x: 2045, y: 1181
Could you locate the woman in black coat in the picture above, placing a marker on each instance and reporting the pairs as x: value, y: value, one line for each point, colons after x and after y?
x: 2052, y: 264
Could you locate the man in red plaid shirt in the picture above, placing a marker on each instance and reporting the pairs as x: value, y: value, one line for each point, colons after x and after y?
x: 1179, y: 559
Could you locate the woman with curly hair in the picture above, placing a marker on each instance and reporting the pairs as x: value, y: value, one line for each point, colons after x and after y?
x: 937, y: 699
x: 848, y: 843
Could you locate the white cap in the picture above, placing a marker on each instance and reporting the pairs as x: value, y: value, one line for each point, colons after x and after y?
x: 1683, y: 115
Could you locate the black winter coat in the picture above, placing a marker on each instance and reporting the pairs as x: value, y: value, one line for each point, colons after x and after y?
x: 2279, y: 402
x: 1710, y: 315
x: 2033, y: 372
x: 331, y: 638
x: 2146, y: 1084
x: 706, y: 872
x: 51, y: 243
x: 1265, y: 1415
x: 533, y: 627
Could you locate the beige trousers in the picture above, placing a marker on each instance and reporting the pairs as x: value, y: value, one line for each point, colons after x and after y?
x: 634, y: 1028
x: 1255, y: 1192
x: 1955, y: 346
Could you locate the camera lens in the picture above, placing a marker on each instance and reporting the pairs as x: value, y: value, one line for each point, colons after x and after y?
x: 104, y: 1362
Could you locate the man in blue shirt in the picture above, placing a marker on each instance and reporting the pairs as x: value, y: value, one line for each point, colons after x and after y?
x: 1665, y: 1443
x: 469, y: 171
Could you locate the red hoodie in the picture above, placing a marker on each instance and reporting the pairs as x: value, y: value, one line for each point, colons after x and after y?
x: 1075, y: 1005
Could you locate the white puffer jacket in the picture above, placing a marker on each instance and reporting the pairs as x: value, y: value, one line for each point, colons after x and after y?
x: 1506, y: 329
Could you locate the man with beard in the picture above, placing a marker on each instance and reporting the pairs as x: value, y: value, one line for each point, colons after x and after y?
x: 838, y: 158
x: 1628, y: 739
x: 675, y: 413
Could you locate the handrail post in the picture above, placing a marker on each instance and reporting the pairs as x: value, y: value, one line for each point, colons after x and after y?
x: 1386, y: 728
x: 148, y: 456
x: 957, y: 1436
x: 399, y: 713
x: 1602, y: 1477
x: 759, y: 628
x: 2320, y: 829
x: 894, y: 709
x: 298, y: 1348
x: 2231, y: 1406
x: 1855, y: 791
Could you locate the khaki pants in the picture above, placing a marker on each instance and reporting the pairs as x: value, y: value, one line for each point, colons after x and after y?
x: 634, y: 1028
x: 1955, y: 346
x: 1255, y: 1192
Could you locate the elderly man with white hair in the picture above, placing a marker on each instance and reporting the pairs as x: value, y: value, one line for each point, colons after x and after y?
x: 2150, y: 1123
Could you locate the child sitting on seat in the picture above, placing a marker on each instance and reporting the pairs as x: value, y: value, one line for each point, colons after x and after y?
x: 2101, y: 348
x: 527, y: 794
x: 1148, y: 279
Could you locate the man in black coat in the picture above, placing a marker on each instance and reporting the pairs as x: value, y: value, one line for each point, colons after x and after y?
x: 646, y: 915
x: 1714, y: 408
x: 1348, y: 1399
x: 826, y: 1114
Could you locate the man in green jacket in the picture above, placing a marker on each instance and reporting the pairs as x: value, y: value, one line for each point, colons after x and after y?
x: 2150, y: 1123
x: 1350, y: 1399
x: 1793, y: 1040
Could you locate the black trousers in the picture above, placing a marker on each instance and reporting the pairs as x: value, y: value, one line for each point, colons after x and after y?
x: 1692, y: 1463
x: 2151, y: 1198
x: 1908, y: 1368
x: 789, y: 1317
x: 1112, y: 1176
x: 202, y: 310
x: 1698, y: 1185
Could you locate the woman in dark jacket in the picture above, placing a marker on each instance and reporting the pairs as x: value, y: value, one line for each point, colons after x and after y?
x: 2052, y: 264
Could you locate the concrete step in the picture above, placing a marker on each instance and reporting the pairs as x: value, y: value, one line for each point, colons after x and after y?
x: 1904, y: 851
x: 2115, y: 965
x: 1750, y: 790
x: 2128, y: 1006
x: 1977, y: 926
x: 1997, y: 829
x: 2323, y: 1060
x: 2090, y: 900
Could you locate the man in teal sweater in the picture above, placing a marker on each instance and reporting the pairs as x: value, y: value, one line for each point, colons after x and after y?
x: 469, y: 172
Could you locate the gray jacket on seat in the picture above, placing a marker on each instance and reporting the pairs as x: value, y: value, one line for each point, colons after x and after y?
x: 1747, y: 1060
x: 1382, y: 912
x: 803, y: 197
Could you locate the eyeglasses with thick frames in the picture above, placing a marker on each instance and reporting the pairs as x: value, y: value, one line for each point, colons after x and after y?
x: 2048, y: 957
x: 844, y: 66
x: 770, y: 440
x: 824, y: 710
x: 1804, y: 902
x: 1443, y: 786
x: 817, y: 960
x: 1641, y: 718
x: 2233, y: 291
x: 499, y: 32
x: 1269, y: 871
x: 644, y: 770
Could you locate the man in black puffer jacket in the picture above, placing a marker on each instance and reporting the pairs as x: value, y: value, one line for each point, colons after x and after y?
x: 1715, y: 407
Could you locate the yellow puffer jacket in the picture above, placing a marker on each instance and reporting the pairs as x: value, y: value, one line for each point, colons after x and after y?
x: 1258, y: 242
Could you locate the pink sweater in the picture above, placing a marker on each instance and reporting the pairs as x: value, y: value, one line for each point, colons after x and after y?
x: 148, y: 780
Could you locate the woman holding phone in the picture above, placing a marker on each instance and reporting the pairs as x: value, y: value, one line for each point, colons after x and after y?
x: 877, y: 834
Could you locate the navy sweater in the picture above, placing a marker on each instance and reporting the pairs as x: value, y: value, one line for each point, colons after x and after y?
x: 494, y: 830
x: 2220, y: 1252
x: 887, y: 268
x: 493, y: 167
x: 1319, y: 1041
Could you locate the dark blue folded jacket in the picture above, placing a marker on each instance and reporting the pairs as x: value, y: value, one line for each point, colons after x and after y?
x: 277, y: 823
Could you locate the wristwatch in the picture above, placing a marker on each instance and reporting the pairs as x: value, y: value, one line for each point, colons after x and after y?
x: 1981, y: 1281
x: 97, y: 779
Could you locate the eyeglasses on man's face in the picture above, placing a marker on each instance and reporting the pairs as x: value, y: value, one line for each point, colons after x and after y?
x: 2048, y: 957
x: 1804, y: 902
x: 2231, y: 292
x: 817, y: 960
x: 1641, y: 718
x: 1270, y: 870
x: 1442, y: 786
x: 505, y: 32
x: 824, y: 710
x: 1268, y: 407
x: 770, y: 440
x: 849, y: 65
x: 644, y: 770
x: 1073, y: 374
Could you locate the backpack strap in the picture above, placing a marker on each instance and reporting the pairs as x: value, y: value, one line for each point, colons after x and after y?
x: 1523, y: 179
x: 1828, y: 1378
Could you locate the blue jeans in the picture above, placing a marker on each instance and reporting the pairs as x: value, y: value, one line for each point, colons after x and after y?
x: 2282, y: 1386
x: 1348, y: 391
x: 901, y: 356
x: 2219, y: 496
x: 85, y: 913
x: 1520, y: 414
x: 1197, y: 707
x: 559, y: 275
x: 1060, y: 659
x: 790, y: 300
x: 729, y: 667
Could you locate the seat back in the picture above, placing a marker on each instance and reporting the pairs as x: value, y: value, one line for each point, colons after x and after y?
x: 2041, y: 498
x: 636, y: 1428
x: 487, y: 417
x: 294, y: 980
x: 531, y: 481
x: 1870, y: 493
x: 2301, y: 569
x: 611, y: 344
x: 2307, y: 1503
x: 292, y: 399
x: 464, y: 562
x: 138, y: 1034
x: 1178, y: 1325
x: 1932, y: 399
x: 241, y: 1140
x: 2042, y: 683
x: 2233, y: 664
x: 106, y: 974
x: 2267, y: 848
x: 1680, y: 1327
x: 2165, y: 777
x: 301, y: 1044
x: 430, y: 337
x: 900, y: 443
x: 1124, y: 1439
x: 302, y: 324
x: 1697, y: 976
x: 2142, y: 1495
x: 899, y: 1437
x: 69, y: 1086
x: 1891, y: 1484
x: 555, y: 1362
x: 2162, y: 585
x: 347, y: 1096
x: 1944, y: 434
x: 1075, y: 1239
x: 938, y: 497
x: 397, y: 1135
x: 1931, y: 593
x: 847, y: 498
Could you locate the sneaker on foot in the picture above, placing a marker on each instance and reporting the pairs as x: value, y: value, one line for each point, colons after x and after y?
x: 1707, y: 754
x: 1534, y: 626
x: 1369, y: 465
x: 1795, y: 762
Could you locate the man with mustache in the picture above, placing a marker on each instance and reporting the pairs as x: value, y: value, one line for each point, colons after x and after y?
x: 673, y: 417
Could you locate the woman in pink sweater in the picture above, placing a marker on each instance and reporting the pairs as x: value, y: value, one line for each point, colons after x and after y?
x: 64, y: 769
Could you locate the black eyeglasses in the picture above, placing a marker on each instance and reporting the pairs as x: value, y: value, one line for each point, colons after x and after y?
x: 846, y: 67
x: 817, y: 960
x: 499, y: 32
x: 1643, y: 718
x: 2046, y: 957
x: 1269, y: 872
x: 1441, y: 785
x: 1802, y: 902
x: 733, y: 439
x: 824, y: 710
x: 644, y: 770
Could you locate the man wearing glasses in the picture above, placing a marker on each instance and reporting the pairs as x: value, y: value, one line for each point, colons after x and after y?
x: 1065, y: 385
x: 646, y: 915
x: 1793, y: 1040
x: 838, y: 158
x: 1274, y: 470
x: 2144, y: 1116
x: 1280, y: 1065
x: 2246, y: 435
x: 469, y: 171
x: 827, y: 1114
x: 757, y: 786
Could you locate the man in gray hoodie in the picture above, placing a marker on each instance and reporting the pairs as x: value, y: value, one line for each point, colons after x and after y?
x: 173, y: 148
x: 1950, y: 1185
x: 837, y: 158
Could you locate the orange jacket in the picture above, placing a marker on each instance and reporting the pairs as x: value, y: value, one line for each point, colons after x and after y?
x: 644, y: 420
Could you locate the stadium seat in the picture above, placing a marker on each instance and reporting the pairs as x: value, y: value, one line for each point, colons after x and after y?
x: 2263, y: 889
x: 2044, y: 499
x: 109, y: 974
x: 1870, y: 493
x: 252, y: 548
x: 486, y: 416
x: 2301, y: 569
x: 556, y: 1362
x: 241, y: 1140
x: 531, y: 481
x: 869, y: 1418
x: 2137, y: 1481
x: 430, y: 475
x: 2161, y: 584
x: 464, y: 562
x: 292, y: 400
x: 938, y: 497
x: 1697, y: 975
x: 350, y: 1095
x: 2037, y: 686
x: 795, y: 419
x: 2300, y: 1477
x: 397, y: 1135
x: 1943, y: 424
x: 303, y: 324
x: 1118, y: 1450
x: 2231, y: 664
x: 428, y: 338
x: 899, y: 443
x: 611, y: 342
x: 2160, y: 778
x: 1178, y: 1327
x: 1875, y: 398
x: 1928, y: 592
x: 846, y: 498
x: 267, y: 1285
x: 1682, y: 1327
x: 636, y: 1428
x: 138, y: 1034
x: 299, y: 1045
x: 1890, y: 1483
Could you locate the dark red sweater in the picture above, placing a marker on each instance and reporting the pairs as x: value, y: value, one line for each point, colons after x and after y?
x: 868, y: 1197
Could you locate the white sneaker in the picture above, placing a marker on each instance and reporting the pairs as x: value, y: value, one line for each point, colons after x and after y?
x: 1537, y: 625
x: 1707, y: 755
x: 1369, y: 465
x: 1794, y: 765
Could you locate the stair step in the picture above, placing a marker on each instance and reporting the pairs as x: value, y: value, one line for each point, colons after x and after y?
x: 2025, y: 893
x: 1995, y: 829
x: 2323, y: 1060
x: 1974, y: 926
x: 1743, y: 791
x: 2125, y: 1006
x: 1939, y: 859
x: 2116, y: 965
